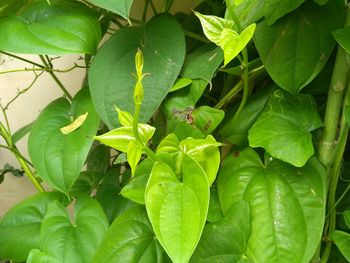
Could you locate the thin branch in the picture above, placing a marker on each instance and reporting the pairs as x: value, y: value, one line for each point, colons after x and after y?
x: 48, y: 69
x: 23, y: 59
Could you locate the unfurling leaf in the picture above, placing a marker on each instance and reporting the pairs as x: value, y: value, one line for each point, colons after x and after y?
x: 125, y: 118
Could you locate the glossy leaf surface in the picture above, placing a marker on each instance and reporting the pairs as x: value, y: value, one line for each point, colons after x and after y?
x: 284, y: 127
x: 342, y: 240
x: 296, y: 47
x: 286, y: 203
x: 163, y: 46
x: 61, y: 27
x: 178, y: 210
x: 20, y: 226
x: 275, y: 9
x: 57, y: 157
x: 342, y: 36
x: 120, y: 7
x: 59, y: 236
x: 130, y: 238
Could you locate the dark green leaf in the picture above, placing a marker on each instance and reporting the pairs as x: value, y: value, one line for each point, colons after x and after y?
x: 287, y: 205
x: 86, y: 183
x: 295, y: 48
x: 59, y: 157
x: 11, y: 7
x: 275, y: 9
x: 225, y: 241
x: 181, y: 83
x: 178, y: 210
x: 20, y: 133
x: 61, y: 27
x: 98, y: 159
x: 248, y: 12
x: 235, y: 130
x: 346, y: 215
x: 120, y: 7
x: 214, y: 212
x: 342, y: 240
x: 163, y: 46
x: 202, y: 63
x: 321, y: 2
x: 130, y: 238
x: 343, y: 38
x: 76, y: 242
x: 20, y: 226
x: 284, y: 127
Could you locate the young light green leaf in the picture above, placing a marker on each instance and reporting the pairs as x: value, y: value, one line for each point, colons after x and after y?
x: 119, y: 138
x: 130, y: 238
x: 178, y: 210
x: 37, y: 256
x: 301, y: 51
x: 20, y: 226
x: 238, y: 2
x: 342, y: 240
x: 342, y: 36
x: 170, y: 144
x: 287, y: 205
x: 181, y: 83
x: 75, y: 124
x: 20, y: 133
x: 120, y: 7
x: 59, y: 235
x: 125, y: 118
x: 59, y: 157
x: 134, y: 153
x: 213, y: 26
x: 64, y: 27
x: 207, y: 119
x: 232, y: 43
x: 284, y: 127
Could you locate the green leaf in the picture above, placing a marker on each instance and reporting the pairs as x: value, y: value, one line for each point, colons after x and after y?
x: 248, y: 12
x: 20, y: 226
x: 347, y: 114
x: 98, y: 159
x: 287, y: 205
x: 119, y: 138
x: 295, y: 48
x: 226, y: 240
x: 284, y: 127
x: 37, y: 256
x: 235, y: 130
x: 213, y: 26
x: 207, y: 119
x: 135, y: 189
x: 85, y: 184
x: 342, y: 240
x: 232, y: 43
x: 20, y: 133
x: 275, y: 9
x: 11, y: 7
x: 346, y: 215
x: 63, y: 27
x: 342, y: 36
x: 214, y: 211
x: 162, y: 43
x: 208, y: 57
x: 181, y: 83
x: 73, y: 242
x: 108, y: 195
x: 238, y: 2
x: 178, y: 210
x: 134, y: 153
x: 125, y: 118
x: 120, y: 7
x: 130, y: 238
x: 321, y: 2
x: 57, y: 157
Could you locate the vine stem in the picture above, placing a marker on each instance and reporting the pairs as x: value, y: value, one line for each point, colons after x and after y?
x: 55, y: 78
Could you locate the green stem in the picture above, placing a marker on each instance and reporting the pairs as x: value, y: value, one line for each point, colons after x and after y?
x: 54, y: 77
x: 144, y: 14
x: 196, y: 36
x: 334, y: 103
x: 229, y: 95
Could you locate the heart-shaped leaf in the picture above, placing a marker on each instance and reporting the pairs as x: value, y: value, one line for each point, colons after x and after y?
x: 20, y: 226
x: 61, y: 27
x: 226, y: 240
x: 73, y: 242
x: 163, y: 45
x: 295, y: 48
x: 130, y: 238
x: 178, y: 210
x: 284, y: 127
x: 59, y: 157
x: 287, y: 205
x: 120, y: 7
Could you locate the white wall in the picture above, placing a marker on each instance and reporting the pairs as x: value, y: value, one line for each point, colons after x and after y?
x: 27, y: 107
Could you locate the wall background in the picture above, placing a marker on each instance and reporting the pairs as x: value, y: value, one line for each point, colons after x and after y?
x: 27, y: 107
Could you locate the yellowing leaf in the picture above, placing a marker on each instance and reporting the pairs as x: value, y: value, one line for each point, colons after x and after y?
x: 75, y: 124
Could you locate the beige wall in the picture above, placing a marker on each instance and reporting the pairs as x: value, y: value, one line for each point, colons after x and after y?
x: 27, y: 107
